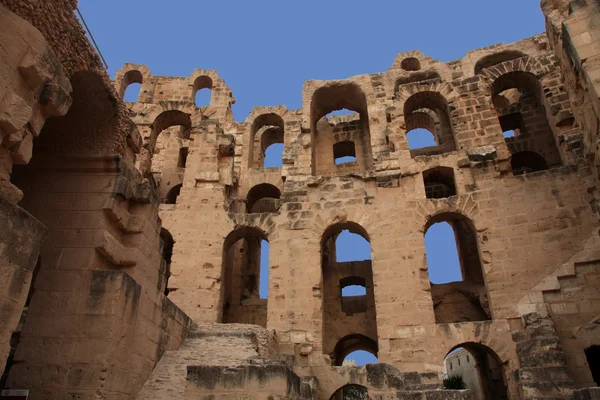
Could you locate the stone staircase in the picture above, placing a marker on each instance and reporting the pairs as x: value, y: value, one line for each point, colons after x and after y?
x: 543, y: 373
x: 215, y: 345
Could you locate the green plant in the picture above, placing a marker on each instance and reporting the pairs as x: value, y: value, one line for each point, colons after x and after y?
x: 455, y: 382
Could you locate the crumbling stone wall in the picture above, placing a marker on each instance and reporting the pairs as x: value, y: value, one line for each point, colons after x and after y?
x: 116, y: 186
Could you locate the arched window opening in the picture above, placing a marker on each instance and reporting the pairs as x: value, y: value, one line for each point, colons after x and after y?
x: 351, y: 392
x: 347, y: 290
x: 344, y: 152
x: 183, y: 154
x: 455, y: 271
x: 131, y: 86
x: 525, y: 162
x: 132, y: 92
x: 497, y: 58
x: 263, y: 198
x: 428, y: 124
x: 274, y: 156
x: 339, y: 114
x: 172, y: 194
x: 410, y: 64
x: 167, y: 243
x: 352, y: 343
x: 592, y: 355
x: 202, y: 91
x: 245, y: 277
x: 172, y: 122
x: 351, y: 246
x: 519, y: 101
x: 439, y: 183
x: 359, y: 358
x: 475, y: 367
x: 266, y: 142
x: 420, y: 138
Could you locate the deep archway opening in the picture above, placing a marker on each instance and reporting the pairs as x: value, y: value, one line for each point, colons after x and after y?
x: 263, y: 198
x: 458, y: 289
x: 358, y: 358
x: 273, y: 156
x: 353, y: 343
x: 244, y: 287
x: 131, y: 86
x: 132, y: 92
x: 202, y: 91
x: 351, y: 392
x: 340, y: 130
x: 419, y: 138
x: 478, y: 368
x: 518, y: 99
x: 439, y: 183
x: 428, y: 124
x: 524, y: 162
x: 169, y: 130
x: 348, y: 292
x: 410, y: 64
x: 172, y: 194
x: 266, y: 141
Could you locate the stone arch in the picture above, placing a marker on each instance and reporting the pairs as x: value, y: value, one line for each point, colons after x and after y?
x: 263, y: 197
x: 331, y: 97
x: 429, y: 108
x: 500, y: 57
x: 465, y: 300
x: 164, y: 120
x: 172, y: 194
x: 410, y: 64
x: 351, y: 343
x: 339, y: 393
x: 492, y: 375
x: 463, y: 205
x: 524, y: 111
x: 131, y: 73
x: 240, y: 272
x: 266, y: 129
x: 202, y: 82
x: 346, y: 325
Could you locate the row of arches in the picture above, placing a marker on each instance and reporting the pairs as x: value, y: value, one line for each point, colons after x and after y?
x: 469, y: 365
x: 132, y: 81
x: 458, y: 289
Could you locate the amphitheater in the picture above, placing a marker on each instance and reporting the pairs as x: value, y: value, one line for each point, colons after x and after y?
x: 131, y: 233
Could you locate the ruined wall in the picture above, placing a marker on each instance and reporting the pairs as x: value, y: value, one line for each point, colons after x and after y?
x: 97, y: 319
x: 494, y: 193
x: 112, y: 184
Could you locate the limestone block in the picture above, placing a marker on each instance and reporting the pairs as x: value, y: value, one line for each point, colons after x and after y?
x: 114, y: 251
x: 14, y: 113
x: 22, y: 151
x: 481, y: 154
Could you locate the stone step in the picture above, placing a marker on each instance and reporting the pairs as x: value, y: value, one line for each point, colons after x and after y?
x: 214, y: 345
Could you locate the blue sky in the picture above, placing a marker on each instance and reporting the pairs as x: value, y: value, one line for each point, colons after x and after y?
x: 265, y: 50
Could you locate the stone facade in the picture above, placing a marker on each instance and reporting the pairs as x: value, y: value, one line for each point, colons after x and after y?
x: 131, y: 232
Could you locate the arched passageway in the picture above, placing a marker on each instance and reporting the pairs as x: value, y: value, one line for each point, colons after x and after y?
x: 479, y: 368
x: 349, y: 316
x: 241, y: 296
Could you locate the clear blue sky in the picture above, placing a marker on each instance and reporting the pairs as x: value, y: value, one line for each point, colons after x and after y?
x: 265, y: 50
